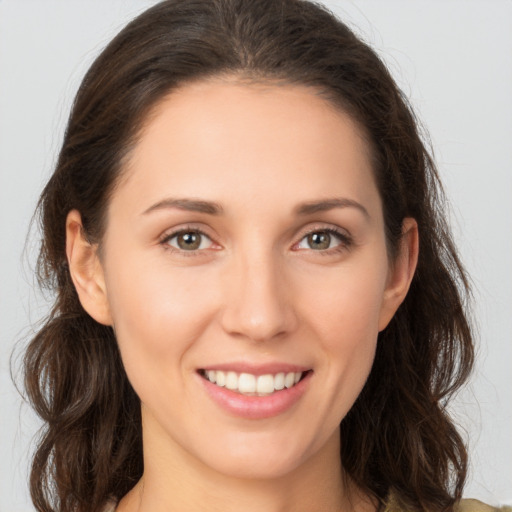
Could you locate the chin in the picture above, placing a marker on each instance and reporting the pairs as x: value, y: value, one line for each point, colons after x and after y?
x: 256, y: 467
x: 264, y: 458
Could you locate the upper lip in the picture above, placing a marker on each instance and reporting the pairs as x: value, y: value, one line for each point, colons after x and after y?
x: 257, y: 369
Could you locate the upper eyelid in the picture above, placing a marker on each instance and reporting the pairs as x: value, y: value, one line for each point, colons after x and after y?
x: 344, y: 238
x: 344, y: 233
x: 170, y: 233
x: 164, y: 240
x: 170, y: 236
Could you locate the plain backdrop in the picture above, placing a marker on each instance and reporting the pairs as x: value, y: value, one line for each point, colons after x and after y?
x: 454, y: 61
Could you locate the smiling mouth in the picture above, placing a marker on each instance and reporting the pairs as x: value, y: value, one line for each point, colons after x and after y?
x: 253, y: 385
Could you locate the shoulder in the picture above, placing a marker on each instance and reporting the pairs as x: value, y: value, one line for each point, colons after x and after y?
x: 478, y: 506
x: 468, y: 505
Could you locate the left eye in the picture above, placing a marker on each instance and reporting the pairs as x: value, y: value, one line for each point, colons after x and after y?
x: 321, y: 240
x: 189, y: 241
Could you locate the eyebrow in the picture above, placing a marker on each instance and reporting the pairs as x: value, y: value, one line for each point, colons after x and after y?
x: 212, y: 208
x: 189, y: 205
x: 330, y: 204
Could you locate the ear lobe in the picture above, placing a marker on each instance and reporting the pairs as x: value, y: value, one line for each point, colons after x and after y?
x: 86, y: 270
x: 401, y: 272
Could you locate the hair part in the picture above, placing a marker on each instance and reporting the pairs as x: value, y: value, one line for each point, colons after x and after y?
x: 398, y: 436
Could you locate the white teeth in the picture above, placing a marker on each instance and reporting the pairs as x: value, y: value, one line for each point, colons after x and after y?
x: 232, y: 380
x: 279, y: 381
x: 289, y: 380
x: 249, y: 384
x: 265, y: 384
x: 220, y: 378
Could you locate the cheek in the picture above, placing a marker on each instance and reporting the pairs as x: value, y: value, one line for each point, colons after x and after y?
x: 158, y: 317
x: 158, y: 313
x: 346, y: 309
x: 344, y: 318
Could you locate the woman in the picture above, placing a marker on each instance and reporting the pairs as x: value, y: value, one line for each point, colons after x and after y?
x: 258, y: 304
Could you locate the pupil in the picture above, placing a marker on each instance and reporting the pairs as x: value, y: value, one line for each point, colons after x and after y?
x: 189, y: 241
x: 319, y: 240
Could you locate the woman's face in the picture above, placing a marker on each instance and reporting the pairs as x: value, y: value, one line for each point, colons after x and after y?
x: 244, y: 252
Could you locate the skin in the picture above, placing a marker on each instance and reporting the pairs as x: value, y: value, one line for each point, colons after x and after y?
x: 256, y: 291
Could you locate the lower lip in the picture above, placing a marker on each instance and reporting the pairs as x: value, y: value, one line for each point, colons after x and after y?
x: 256, y: 407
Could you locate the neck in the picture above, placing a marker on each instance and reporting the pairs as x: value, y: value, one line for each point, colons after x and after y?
x: 174, y: 480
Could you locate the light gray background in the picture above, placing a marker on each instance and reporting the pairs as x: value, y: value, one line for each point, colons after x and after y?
x: 453, y: 58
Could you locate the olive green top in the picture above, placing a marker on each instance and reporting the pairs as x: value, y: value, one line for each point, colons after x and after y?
x: 462, y: 506
x: 478, y: 506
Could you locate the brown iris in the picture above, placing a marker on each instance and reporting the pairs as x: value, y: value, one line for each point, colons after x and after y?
x: 319, y: 240
x: 189, y: 241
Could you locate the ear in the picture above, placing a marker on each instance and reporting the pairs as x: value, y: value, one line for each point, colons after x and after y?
x: 401, y: 272
x: 86, y: 270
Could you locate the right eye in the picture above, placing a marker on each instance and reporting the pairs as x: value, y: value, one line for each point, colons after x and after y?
x: 188, y: 240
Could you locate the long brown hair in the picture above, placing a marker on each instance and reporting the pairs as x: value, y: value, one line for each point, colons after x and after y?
x: 398, y: 436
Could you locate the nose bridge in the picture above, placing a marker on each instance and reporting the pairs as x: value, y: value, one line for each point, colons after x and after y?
x: 257, y: 306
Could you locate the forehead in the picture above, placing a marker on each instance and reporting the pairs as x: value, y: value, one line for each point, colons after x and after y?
x: 212, y: 137
x: 229, y: 100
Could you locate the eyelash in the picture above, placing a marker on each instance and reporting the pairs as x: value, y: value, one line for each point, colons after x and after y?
x: 164, y: 241
x: 345, y: 240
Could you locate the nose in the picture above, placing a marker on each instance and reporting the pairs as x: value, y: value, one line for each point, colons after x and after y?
x: 258, y: 303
